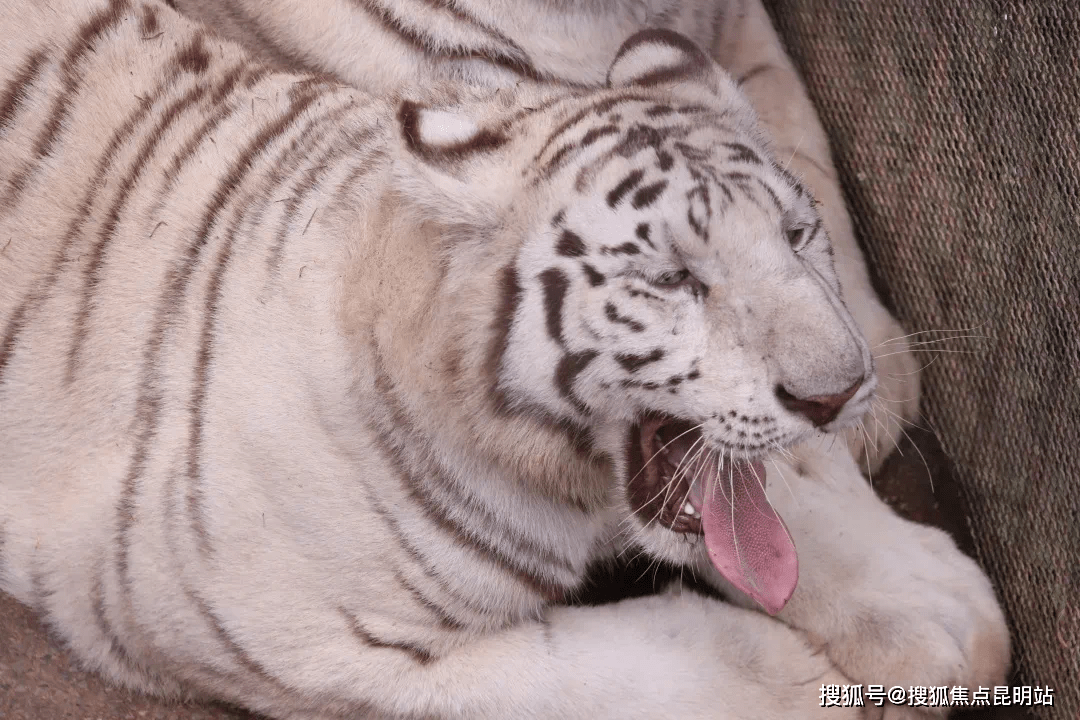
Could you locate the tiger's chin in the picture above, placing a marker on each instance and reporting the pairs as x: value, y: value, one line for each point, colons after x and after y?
x: 677, y: 481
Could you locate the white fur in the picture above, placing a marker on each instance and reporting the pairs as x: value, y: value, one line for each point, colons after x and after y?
x: 375, y: 326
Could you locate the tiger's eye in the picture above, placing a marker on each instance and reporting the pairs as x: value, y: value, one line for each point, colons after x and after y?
x: 671, y: 278
x: 796, y: 236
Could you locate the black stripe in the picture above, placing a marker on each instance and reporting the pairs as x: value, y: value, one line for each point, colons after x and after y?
x: 632, y: 363
x: 743, y: 180
x: 647, y: 195
x: 172, y: 300
x: 42, y: 288
x: 509, y: 299
x: 742, y: 153
x: 597, y: 108
x: 15, y: 92
x: 441, y: 516
x: 296, y: 150
x: 446, y: 620
x: 217, y: 113
x: 117, y: 649
x: 570, y: 244
x: 642, y: 232
x: 566, y: 372
x: 425, y: 44
x: 577, y: 436
x: 700, y: 226
x: 429, y: 569
x: 612, y: 314
x: 149, y: 394
x: 693, y: 61
x: 628, y: 183
x: 83, y: 44
x: 417, y: 653
x: 92, y: 271
x: 239, y: 654
x: 555, y: 285
x: 310, y: 180
x: 516, y: 51
x: 596, y: 133
x: 596, y: 278
x: 627, y: 248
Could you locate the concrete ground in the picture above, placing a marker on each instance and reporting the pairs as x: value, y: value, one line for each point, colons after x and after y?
x: 40, y: 681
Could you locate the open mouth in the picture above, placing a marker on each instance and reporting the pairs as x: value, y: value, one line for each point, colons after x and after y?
x: 680, y: 482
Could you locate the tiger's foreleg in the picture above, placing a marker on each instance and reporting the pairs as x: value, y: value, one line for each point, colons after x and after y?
x: 672, y: 655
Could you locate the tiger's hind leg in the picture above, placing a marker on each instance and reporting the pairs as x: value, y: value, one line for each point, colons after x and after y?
x: 748, y: 47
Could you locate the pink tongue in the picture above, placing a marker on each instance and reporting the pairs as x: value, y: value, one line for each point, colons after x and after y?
x: 747, y: 541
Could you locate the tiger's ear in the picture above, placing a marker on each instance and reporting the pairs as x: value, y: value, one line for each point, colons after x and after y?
x: 455, y: 164
x: 658, y: 57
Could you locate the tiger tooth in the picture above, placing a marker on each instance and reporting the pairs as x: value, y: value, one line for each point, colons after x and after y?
x: 688, y: 508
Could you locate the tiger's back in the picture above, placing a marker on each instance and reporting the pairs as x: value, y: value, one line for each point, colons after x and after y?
x: 182, y: 369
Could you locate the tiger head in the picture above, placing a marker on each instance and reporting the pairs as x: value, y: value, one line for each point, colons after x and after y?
x: 671, y: 292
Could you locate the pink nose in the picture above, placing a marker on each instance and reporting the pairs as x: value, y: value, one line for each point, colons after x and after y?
x: 819, y: 409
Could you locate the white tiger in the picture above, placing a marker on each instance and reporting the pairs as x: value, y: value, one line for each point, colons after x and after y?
x: 324, y: 401
x: 384, y: 45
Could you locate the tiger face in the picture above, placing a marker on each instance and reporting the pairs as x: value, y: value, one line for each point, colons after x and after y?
x: 672, y: 293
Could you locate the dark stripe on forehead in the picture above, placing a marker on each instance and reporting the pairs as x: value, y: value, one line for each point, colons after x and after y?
x: 627, y: 248
x: 642, y: 233
x: 15, y: 91
x: 647, y: 195
x: 596, y: 133
x: 595, y: 277
x: 743, y: 181
x: 628, y: 183
x: 612, y: 314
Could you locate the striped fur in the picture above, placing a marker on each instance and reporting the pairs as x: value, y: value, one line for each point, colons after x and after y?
x: 315, y: 398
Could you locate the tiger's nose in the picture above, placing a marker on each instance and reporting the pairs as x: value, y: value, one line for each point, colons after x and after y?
x: 818, y: 409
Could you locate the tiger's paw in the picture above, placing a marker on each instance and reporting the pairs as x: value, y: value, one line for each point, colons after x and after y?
x: 891, y: 602
x: 936, y: 625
